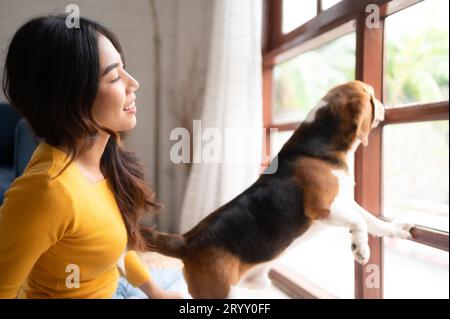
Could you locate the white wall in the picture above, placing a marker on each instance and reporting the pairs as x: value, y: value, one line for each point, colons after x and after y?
x: 184, y: 27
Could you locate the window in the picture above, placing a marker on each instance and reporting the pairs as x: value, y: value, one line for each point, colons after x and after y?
x: 301, y: 81
x: 415, y: 173
x: 403, y: 172
x: 414, y: 271
x: 417, y: 54
x: 326, y: 4
x: 326, y: 261
x: 297, y: 12
x: 415, y: 149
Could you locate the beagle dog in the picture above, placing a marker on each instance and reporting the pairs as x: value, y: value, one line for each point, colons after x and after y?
x: 237, y: 243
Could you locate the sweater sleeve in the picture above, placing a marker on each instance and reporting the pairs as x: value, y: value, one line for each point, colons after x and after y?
x: 135, y: 271
x: 36, y: 214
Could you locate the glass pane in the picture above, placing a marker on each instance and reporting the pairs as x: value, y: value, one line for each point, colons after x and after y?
x: 416, y: 173
x: 325, y: 260
x: 329, y: 3
x: 413, y: 270
x: 417, y: 54
x: 301, y: 82
x: 297, y: 12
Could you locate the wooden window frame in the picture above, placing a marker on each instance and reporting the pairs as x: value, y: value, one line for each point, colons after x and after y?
x: 278, y: 47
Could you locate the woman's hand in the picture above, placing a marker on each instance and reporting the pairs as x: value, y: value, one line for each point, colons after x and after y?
x: 155, y: 292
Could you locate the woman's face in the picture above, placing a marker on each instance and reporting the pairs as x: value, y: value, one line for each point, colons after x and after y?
x: 114, y: 106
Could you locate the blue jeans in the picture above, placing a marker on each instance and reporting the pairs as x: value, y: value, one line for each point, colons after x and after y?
x: 168, y: 279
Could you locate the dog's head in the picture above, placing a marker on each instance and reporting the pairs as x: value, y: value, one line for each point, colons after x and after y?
x: 357, y: 108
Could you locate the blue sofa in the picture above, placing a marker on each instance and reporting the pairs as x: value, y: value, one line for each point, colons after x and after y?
x: 17, y: 144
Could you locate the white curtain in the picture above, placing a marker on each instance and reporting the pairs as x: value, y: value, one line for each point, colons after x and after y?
x: 232, y: 103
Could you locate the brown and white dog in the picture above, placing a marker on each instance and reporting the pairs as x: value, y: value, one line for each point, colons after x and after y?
x: 237, y: 243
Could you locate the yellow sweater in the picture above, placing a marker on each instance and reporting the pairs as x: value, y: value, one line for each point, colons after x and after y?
x: 54, y: 231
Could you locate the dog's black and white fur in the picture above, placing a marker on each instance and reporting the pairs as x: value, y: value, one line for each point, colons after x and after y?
x: 236, y: 244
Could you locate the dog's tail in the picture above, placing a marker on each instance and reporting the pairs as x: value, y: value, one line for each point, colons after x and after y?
x: 172, y: 245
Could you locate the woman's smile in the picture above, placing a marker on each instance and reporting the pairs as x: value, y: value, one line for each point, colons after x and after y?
x: 130, y: 108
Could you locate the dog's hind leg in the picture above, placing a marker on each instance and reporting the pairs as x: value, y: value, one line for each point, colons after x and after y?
x: 257, y: 277
x: 211, y: 274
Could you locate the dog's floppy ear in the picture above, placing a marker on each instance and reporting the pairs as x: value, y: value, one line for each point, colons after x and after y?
x: 362, y: 117
x: 363, y: 135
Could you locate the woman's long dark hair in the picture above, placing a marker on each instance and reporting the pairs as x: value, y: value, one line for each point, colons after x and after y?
x: 51, y: 76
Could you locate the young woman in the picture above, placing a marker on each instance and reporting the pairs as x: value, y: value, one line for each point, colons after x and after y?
x: 75, y: 211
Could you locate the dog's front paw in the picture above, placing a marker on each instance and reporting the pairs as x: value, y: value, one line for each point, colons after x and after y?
x: 400, y: 230
x: 361, y: 252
